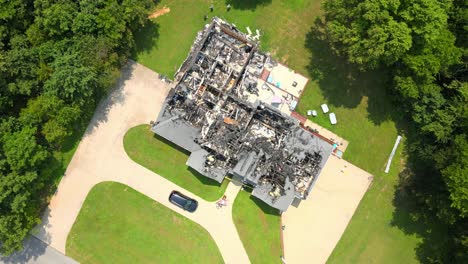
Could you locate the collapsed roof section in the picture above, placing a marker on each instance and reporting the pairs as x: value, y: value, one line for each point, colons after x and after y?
x: 225, y: 59
x: 214, y: 113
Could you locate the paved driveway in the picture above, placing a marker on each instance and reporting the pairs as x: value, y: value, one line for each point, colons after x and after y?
x: 101, y: 157
x: 313, y: 230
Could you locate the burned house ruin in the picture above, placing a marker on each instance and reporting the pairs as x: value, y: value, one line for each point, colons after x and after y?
x: 229, y: 113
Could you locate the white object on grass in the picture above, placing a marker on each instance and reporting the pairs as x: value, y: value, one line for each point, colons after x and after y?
x: 325, y: 108
x: 392, y: 153
x: 293, y: 105
x: 332, y: 118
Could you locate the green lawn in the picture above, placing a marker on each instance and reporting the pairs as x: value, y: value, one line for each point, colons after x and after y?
x: 365, y: 116
x: 259, y: 228
x: 164, y: 44
x: 120, y: 225
x: 168, y: 160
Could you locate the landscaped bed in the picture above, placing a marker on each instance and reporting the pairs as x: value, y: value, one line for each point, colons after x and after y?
x: 259, y: 227
x: 168, y: 160
x: 120, y: 225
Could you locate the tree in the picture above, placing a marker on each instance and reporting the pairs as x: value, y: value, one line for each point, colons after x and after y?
x: 456, y: 173
x: 71, y: 81
x: 15, y: 18
x: 21, y: 67
x: 51, y: 116
x: 422, y: 45
x: 19, y: 183
x: 57, y: 58
x: 367, y: 32
x: 371, y: 33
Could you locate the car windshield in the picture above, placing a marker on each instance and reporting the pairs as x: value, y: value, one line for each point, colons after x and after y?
x: 187, y: 205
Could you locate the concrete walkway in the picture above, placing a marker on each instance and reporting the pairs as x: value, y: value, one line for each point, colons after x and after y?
x: 341, y: 142
x: 313, y: 230
x: 101, y: 157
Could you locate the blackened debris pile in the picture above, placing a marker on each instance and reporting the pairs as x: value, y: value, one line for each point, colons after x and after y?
x: 254, y: 142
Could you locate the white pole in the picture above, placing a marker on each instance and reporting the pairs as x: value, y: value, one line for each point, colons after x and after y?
x: 393, y: 153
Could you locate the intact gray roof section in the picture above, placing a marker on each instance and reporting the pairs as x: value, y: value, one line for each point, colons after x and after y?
x: 282, y: 202
x: 197, y: 160
x: 178, y: 131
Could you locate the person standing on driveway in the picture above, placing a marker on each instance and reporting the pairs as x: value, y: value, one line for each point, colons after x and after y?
x: 222, y: 202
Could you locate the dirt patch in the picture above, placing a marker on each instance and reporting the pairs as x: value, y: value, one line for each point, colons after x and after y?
x: 160, y: 12
x: 176, y: 220
x: 263, y: 220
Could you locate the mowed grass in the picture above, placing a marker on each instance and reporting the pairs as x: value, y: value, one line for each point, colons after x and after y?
x: 165, y: 43
x: 258, y: 226
x: 120, y: 225
x: 365, y: 116
x: 167, y: 160
x: 369, y: 121
x: 262, y: 242
x: 371, y: 236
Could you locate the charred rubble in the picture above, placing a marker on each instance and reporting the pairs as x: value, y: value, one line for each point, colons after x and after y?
x: 254, y: 143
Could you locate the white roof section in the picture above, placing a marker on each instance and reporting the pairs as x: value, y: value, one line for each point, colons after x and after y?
x: 271, y: 95
x: 287, y: 80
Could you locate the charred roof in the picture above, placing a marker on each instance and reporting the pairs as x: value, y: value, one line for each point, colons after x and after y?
x: 228, y: 133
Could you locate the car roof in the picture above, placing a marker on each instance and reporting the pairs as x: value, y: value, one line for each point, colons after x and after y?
x: 179, y: 194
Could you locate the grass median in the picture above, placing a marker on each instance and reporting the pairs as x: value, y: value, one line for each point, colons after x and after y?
x: 120, y: 225
x: 258, y: 226
x: 168, y: 160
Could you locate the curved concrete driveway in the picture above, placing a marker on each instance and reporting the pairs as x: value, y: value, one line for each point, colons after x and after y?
x: 315, y: 227
x: 101, y: 157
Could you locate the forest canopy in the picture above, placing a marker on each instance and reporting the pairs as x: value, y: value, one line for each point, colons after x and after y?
x: 57, y: 59
x: 422, y: 45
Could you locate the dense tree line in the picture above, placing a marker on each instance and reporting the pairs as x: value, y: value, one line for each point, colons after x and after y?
x: 57, y: 58
x: 422, y: 44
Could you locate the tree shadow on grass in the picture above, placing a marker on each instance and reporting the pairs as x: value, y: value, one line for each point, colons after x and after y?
x: 247, y: 4
x: 194, y: 173
x: 344, y: 84
x: 203, y: 179
x: 419, y: 183
x: 413, y: 219
x: 52, y: 173
x: 263, y: 206
x: 171, y: 144
x: 33, y: 248
x: 146, y: 38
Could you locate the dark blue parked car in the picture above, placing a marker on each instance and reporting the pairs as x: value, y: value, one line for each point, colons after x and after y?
x: 183, y: 201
